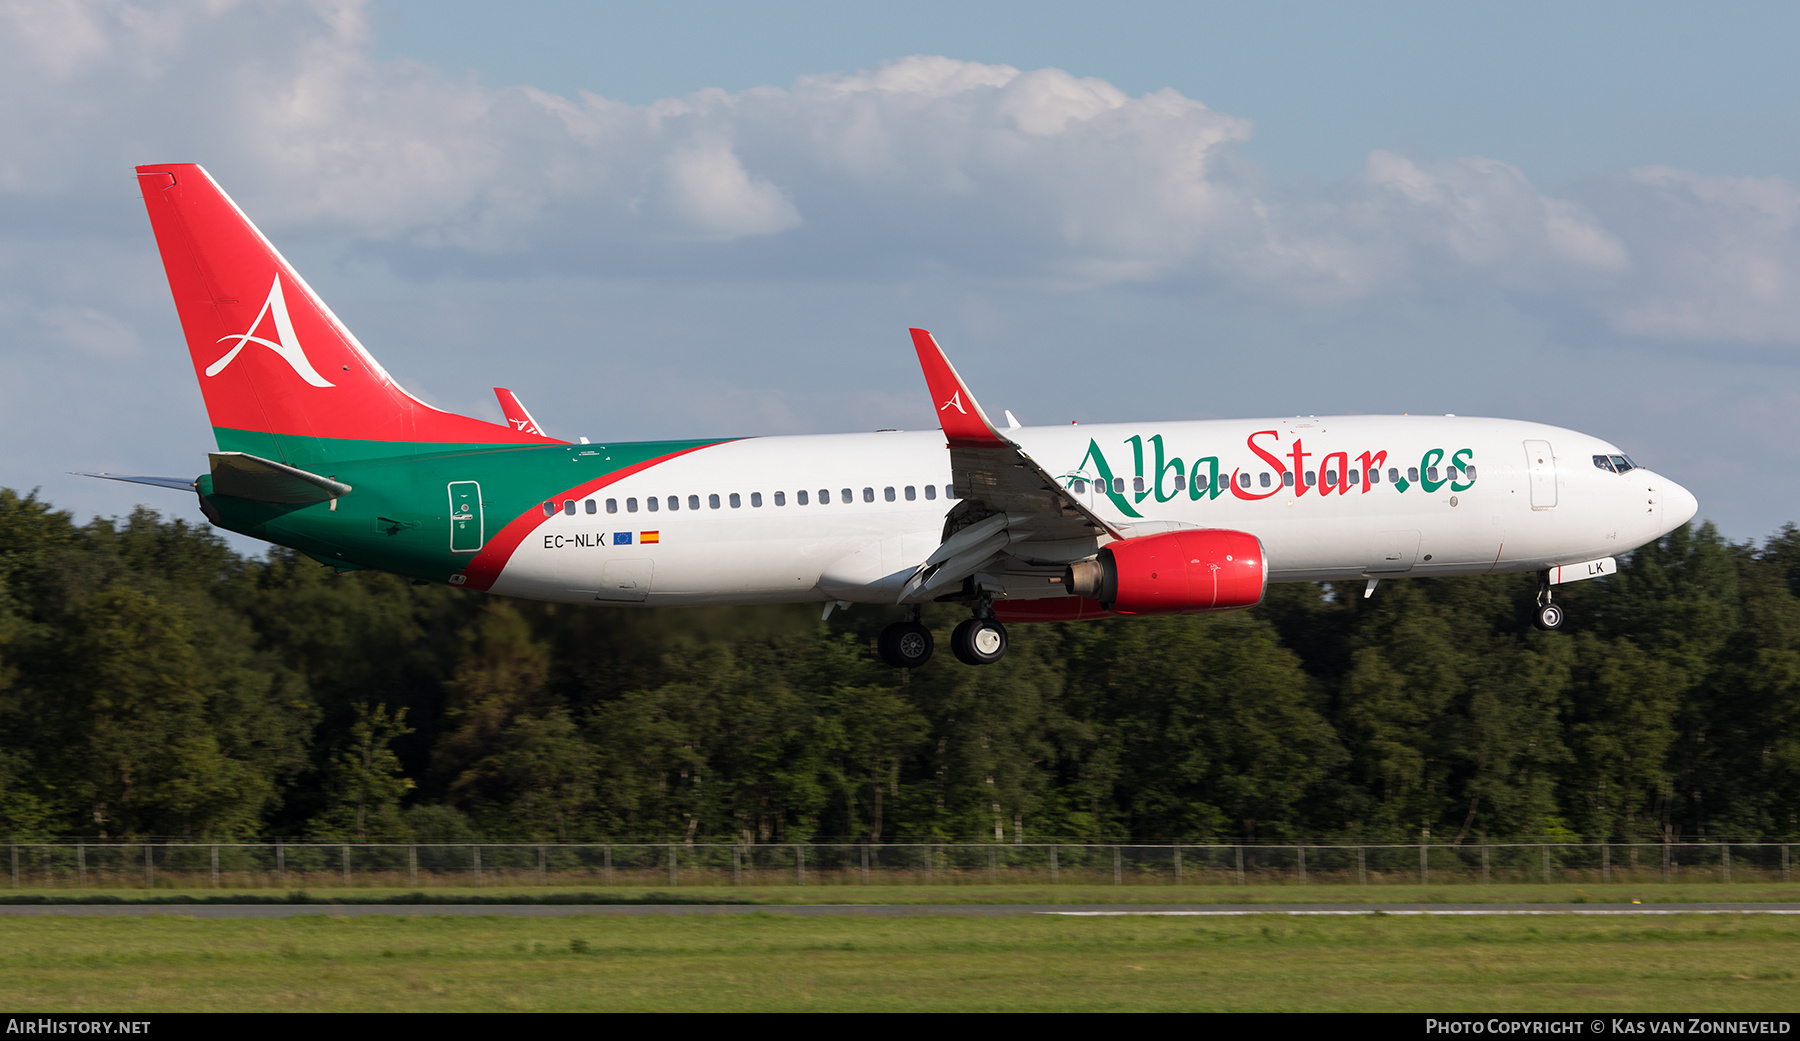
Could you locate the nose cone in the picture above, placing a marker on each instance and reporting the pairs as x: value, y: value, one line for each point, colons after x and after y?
x: 1678, y: 505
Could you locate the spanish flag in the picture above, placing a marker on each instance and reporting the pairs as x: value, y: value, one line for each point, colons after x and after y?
x: 647, y: 537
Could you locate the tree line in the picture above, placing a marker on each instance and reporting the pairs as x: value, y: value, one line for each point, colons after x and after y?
x: 153, y: 682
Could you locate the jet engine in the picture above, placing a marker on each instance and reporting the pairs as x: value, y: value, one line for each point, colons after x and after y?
x: 1177, y: 572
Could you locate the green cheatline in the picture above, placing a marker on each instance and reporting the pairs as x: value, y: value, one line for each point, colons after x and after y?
x: 396, y: 516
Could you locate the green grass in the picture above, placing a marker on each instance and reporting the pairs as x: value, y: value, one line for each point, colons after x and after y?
x: 1276, y: 893
x: 776, y: 962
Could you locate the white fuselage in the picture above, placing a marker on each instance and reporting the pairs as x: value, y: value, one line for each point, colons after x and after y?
x: 1522, y: 497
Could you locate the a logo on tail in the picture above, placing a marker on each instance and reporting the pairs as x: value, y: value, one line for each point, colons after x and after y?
x: 956, y: 401
x: 285, y: 343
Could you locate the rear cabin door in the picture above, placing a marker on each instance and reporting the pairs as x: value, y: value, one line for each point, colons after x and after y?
x: 1540, y: 463
x: 466, y: 526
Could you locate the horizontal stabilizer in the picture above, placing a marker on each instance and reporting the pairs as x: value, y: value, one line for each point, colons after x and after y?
x: 185, y: 484
x: 264, y: 480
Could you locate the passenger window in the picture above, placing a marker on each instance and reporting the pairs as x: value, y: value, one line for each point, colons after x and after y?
x: 549, y: 507
x: 652, y: 504
x: 674, y: 502
x: 612, y: 505
x: 1118, y: 486
x: 931, y: 491
x: 1287, y: 479
x: 824, y: 496
x: 950, y: 491
x: 1244, y: 480
x: 736, y: 502
x: 1393, y: 475
x: 693, y: 502
x: 1078, y: 486
x: 845, y: 496
x: 713, y: 500
x: 1180, y: 483
x: 911, y: 493
x: 1331, y: 478
x: 1137, y: 484
x: 1412, y: 473
x: 888, y: 493
x: 1471, y: 472
x: 1312, y: 478
x: 781, y: 498
x: 569, y: 507
x: 1264, y: 479
x: 800, y: 497
x: 630, y: 505
x: 1431, y: 473
x: 756, y: 499
x: 1374, y: 476
x: 1352, y: 476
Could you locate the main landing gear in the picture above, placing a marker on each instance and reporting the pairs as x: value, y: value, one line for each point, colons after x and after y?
x: 1546, y: 615
x: 906, y: 645
x: 979, y: 641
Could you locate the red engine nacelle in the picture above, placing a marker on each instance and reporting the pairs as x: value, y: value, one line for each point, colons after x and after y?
x: 1177, y: 572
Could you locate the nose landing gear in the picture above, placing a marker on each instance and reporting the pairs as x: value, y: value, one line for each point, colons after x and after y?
x: 1546, y: 616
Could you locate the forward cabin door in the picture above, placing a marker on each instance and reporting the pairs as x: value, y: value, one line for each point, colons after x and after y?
x: 466, y: 526
x: 1540, y: 463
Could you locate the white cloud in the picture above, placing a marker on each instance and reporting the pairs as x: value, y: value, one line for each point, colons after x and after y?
x: 1719, y: 256
x: 1035, y: 177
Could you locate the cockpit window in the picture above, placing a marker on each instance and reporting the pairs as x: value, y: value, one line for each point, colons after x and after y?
x: 1623, y: 463
x: 1605, y: 463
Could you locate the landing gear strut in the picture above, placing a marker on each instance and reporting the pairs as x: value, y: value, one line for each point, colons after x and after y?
x: 1546, y: 615
x: 906, y: 645
x: 980, y: 640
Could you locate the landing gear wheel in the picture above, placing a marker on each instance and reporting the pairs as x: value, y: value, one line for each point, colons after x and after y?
x: 979, y: 641
x: 905, y: 645
x: 1547, y: 617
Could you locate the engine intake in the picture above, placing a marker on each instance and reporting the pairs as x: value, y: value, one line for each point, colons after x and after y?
x: 1176, y: 572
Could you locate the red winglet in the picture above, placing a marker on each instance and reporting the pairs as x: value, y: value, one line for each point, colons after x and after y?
x: 515, y: 413
x: 965, y: 425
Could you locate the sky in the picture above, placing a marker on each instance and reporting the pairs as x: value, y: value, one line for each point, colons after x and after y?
x: 702, y: 219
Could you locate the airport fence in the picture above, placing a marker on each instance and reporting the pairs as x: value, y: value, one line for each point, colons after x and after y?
x: 283, y: 865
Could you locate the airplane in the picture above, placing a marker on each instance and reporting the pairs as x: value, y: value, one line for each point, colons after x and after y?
x: 321, y: 451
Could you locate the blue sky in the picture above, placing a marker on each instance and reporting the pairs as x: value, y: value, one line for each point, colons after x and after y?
x: 1562, y: 90
x: 699, y: 219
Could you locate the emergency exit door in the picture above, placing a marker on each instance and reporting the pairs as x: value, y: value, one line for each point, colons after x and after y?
x: 466, y: 531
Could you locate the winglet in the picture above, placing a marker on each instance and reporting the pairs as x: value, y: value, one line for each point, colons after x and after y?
x: 965, y: 425
x: 516, y: 414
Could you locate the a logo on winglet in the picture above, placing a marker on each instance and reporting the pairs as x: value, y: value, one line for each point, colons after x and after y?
x: 285, y: 343
x: 956, y: 400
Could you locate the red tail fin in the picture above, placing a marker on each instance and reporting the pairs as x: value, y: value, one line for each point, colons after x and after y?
x: 276, y: 367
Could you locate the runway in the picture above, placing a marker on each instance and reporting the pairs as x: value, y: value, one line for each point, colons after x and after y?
x: 872, y: 910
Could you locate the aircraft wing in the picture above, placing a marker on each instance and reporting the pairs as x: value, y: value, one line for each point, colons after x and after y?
x: 1006, y: 496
